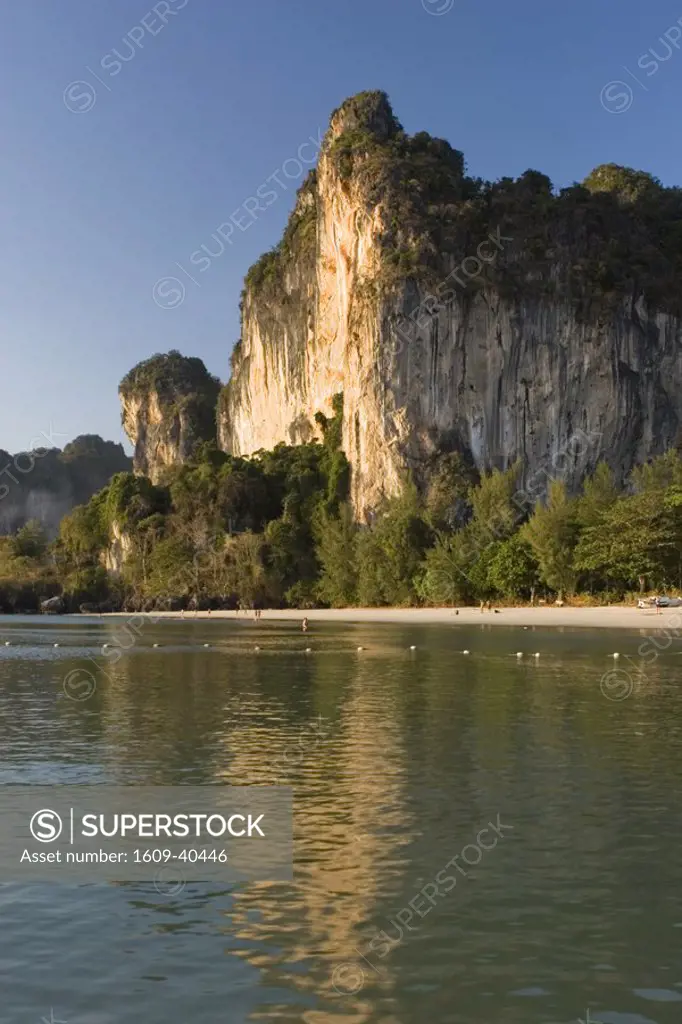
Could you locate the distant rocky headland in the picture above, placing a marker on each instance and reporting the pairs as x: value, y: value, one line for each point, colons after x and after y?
x: 46, y: 483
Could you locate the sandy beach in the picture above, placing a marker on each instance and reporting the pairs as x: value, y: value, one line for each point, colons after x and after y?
x: 615, y: 617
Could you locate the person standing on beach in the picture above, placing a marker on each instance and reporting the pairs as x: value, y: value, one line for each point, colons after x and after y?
x: 304, y: 626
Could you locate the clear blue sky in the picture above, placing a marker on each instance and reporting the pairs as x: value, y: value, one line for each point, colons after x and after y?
x: 97, y: 206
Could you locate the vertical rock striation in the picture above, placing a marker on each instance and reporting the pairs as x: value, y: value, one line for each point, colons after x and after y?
x: 500, y: 320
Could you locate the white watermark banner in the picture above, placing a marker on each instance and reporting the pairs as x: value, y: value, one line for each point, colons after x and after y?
x: 129, y: 833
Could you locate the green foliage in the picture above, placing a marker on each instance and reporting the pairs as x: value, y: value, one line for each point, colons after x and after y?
x: 83, y: 534
x: 30, y: 541
x: 246, y: 573
x: 615, y: 238
x: 169, y: 373
x: 513, y: 571
x: 494, y: 513
x: 389, y: 555
x: 661, y: 473
x: 182, y: 386
x: 90, y: 584
x: 170, y: 569
x: 332, y: 429
x: 348, y: 146
x: 336, y: 538
x: 277, y: 528
x: 28, y: 574
x: 369, y: 111
x: 445, y: 574
x: 599, y: 495
x: 447, y: 494
x: 552, y: 533
x: 623, y: 182
x: 297, y: 244
x: 130, y: 500
x: 303, y: 594
x: 639, y: 535
x: 222, y: 529
x: 334, y: 463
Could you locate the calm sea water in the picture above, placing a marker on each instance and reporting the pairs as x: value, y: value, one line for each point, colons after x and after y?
x: 398, y: 760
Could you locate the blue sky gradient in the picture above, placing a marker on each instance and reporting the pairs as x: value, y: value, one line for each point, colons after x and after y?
x: 115, y: 167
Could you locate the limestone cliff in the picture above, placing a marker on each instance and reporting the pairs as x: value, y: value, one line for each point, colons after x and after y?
x: 118, y: 550
x: 502, y: 319
x: 168, y: 409
x: 48, y: 483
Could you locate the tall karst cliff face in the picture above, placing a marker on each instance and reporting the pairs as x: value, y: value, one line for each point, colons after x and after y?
x: 168, y: 408
x: 503, y: 320
x: 48, y: 483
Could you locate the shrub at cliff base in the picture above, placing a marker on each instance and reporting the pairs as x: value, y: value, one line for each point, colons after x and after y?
x: 27, y: 572
x: 277, y: 529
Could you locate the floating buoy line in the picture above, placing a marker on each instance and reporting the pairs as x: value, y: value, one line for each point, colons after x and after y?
x: 307, y: 650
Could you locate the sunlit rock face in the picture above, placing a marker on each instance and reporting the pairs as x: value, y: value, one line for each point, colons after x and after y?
x: 479, y: 336
x: 168, y: 407
x: 116, y: 554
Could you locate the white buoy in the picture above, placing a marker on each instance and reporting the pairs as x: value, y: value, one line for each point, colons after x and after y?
x: 104, y: 645
x: 413, y: 648
x: 156, y: 645
x: 519, y: 654
x: 55, y: 645
x: 616, y: 655
x: 361, y: 648
x: 537, y: 654
x: 7, y: 643
x: 465, y: 652
x: 308, y: 650
x: 207, y: 645
x: 525, y: 627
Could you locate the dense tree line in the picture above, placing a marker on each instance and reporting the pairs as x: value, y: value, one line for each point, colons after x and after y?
x: 278, y: 529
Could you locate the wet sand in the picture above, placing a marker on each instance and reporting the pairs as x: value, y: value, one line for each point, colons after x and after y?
x: 614, y: 617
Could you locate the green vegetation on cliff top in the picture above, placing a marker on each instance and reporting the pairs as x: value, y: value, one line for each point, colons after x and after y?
x: 170, y: 374
x: 297, y: 243
x: 183, y: 385
x: 615, y: 237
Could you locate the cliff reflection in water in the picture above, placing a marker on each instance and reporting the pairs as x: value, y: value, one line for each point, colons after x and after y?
x: 398, y: 759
